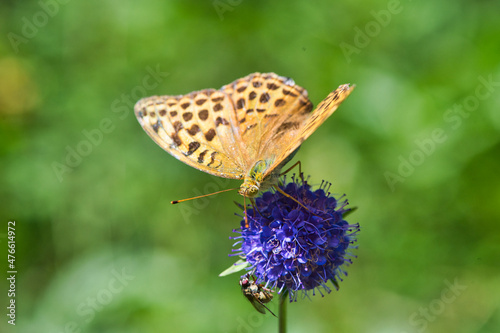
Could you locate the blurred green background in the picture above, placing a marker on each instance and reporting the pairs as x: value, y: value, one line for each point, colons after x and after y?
x: 416, y: 147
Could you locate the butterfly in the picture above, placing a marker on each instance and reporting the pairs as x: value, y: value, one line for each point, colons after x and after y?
x: 257, y: 294
x: 248, y: 129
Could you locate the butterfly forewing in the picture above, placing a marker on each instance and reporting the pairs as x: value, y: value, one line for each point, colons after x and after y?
x: 195, y: 128
x: 303, y: 127
x: 263, y: 103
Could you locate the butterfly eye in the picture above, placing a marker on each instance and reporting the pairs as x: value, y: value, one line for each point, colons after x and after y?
x: 249, y: 188
x: 252, y: 191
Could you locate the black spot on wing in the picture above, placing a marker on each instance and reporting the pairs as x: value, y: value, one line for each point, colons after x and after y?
x: 286, y: 126
x: 201, y: 157
x: 212, y: 158
x: 193, y: 146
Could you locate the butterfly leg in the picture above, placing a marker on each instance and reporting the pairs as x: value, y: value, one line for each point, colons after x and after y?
x: 255, y: 207
x: 293, y: 166
x: 289, y: 196
x: 246, y: 215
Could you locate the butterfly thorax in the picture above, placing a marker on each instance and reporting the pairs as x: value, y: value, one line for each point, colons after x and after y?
x: 256, y: 179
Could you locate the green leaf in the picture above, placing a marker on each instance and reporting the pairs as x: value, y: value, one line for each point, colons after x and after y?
x: 236, y: 267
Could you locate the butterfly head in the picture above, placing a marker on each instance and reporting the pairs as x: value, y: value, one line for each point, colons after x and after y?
x: 254, y: 180
x: 249, y: 188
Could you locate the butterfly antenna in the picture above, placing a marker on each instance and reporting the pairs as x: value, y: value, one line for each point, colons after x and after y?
x: 201, y: 196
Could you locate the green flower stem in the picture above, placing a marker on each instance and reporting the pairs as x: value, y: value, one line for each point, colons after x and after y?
x: 282, y: 311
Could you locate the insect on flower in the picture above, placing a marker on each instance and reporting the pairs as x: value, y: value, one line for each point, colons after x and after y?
x: 256, y: 293
x: 248, y: 129
x: 295, y: 247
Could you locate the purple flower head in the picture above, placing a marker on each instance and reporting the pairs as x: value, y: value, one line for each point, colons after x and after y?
x: 289, y: 246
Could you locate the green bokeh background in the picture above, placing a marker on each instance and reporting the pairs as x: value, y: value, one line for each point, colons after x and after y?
x: 109, y: 215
